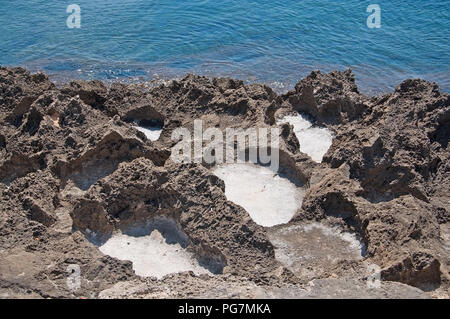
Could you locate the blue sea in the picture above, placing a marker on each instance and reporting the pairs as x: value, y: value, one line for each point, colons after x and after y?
x: 259, y: 41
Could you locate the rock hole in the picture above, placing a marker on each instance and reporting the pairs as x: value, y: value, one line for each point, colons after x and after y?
x: 156, y: 249
x: 91, y: 172
x: 310, y: 249
x: 151, y: 128
x: 270, y: 199
x: 33, y: 122
x: 314, y: 141
x: 2, y: 141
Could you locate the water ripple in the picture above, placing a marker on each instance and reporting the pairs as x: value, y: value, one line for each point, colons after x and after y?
x: 255, y: 40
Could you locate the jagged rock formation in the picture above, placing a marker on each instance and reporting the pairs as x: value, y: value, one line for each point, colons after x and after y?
x: 72, y: 164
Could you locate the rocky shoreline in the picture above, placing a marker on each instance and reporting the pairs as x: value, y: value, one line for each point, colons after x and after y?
x: 71, y: 160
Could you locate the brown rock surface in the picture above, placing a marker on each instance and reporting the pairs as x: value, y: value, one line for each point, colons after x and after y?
x: 72, y: 164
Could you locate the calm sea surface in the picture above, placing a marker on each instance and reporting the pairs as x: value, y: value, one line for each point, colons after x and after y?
x: 276, y: 42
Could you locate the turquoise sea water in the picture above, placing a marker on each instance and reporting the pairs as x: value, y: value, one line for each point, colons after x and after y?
x: 276, y: 42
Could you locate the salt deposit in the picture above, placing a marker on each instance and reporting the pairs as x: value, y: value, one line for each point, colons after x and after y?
x: 314, y: 141
x: 268, y: 198
x: 152, y: 255
x: 151, y: 132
